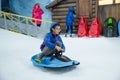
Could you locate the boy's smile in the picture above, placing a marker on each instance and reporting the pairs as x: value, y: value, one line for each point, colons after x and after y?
x: 56, y: 30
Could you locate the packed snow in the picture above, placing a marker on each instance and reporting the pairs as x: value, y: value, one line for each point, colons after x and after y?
x: 99, y: 58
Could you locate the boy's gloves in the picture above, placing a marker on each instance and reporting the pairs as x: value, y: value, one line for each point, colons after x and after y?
x: 59, y: 48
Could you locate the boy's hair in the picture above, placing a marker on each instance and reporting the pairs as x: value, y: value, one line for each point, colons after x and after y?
x: 53, y: 25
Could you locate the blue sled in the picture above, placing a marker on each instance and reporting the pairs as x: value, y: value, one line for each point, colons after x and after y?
x: 54, y: 62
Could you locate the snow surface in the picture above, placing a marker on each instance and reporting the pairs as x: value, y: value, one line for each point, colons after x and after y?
x: 99, y: 58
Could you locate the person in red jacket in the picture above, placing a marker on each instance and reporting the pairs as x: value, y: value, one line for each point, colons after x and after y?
x: 37, y: 14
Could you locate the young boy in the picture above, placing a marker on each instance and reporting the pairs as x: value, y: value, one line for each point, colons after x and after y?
x: 52, y: 43
x: 69, y: 21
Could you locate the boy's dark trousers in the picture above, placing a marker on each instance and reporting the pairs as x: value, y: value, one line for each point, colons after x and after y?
x: 48, y: 51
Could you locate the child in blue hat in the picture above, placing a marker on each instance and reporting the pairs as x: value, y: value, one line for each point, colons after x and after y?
x: 69, y: 21
x: 52, y: 43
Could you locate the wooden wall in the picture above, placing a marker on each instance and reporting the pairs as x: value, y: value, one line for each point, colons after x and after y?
x: 60, y: 10
x: 90, y: 8
x: 106, y: 11
x: 87, y: 8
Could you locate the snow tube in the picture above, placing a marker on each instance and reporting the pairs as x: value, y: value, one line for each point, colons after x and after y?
x: 95, y: 28
x: 82, y: 27
x: 110, y: 28
x: 119, y: 27
x: 54, y: 62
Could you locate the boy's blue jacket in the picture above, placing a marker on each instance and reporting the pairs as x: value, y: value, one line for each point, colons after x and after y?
x: 70, y: 16
x: 50, y: 39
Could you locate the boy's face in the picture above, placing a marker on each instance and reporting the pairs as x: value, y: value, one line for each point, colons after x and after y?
x: 56, y: 30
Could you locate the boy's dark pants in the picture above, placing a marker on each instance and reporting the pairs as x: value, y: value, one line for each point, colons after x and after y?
x: 47, y: 51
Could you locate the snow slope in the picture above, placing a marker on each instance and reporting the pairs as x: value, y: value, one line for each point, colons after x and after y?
x: 99, y: 57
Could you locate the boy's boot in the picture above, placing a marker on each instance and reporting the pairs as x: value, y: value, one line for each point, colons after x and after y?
x: 70, y: 35
x: 38, y: 60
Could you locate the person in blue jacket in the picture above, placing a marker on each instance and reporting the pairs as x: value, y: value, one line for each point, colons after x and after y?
x: 52, y: 43
x: 69, y: 21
